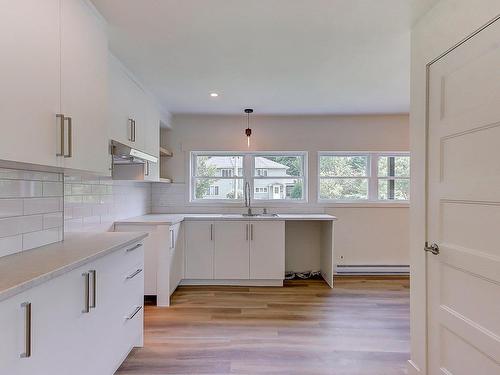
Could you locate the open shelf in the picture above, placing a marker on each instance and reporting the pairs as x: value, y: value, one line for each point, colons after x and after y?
x: 165, y: 152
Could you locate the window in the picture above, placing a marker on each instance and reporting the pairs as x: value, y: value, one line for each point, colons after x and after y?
x: 344, y: 177
x: 216, y: 176
x: 220, y: 176
x: 281, y: 174
x: 213, y: 190
x: 393, y: 174
x: 364, y: 176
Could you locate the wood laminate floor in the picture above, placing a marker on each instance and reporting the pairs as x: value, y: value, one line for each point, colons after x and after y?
x: 360, y: 327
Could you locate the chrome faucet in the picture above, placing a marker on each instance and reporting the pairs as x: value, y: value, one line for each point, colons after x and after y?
x: 248, y: 202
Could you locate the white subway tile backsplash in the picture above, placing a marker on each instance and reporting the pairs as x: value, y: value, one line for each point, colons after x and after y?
x: 53, y: 220
x: 11, y: 207
x: 41, y: 238
x: 52, y: 189
x: 20, y: 188
x: 42, y: 205
x: 30, y: 203
x: 92, y: 204
x: 11, y: 245
x: 13, y: 226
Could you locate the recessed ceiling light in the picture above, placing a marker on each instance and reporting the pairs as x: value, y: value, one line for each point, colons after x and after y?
x: 214, y: 94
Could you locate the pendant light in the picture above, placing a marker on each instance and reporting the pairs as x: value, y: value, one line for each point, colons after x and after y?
x: 248, y: 131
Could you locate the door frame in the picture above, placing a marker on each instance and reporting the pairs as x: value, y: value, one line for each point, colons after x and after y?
x: 426, y: 191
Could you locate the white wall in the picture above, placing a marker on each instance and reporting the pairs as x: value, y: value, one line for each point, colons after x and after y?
x: 442, y: 27
x: 365, y: 234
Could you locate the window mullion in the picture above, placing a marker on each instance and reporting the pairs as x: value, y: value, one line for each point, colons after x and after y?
x: 373, y: 177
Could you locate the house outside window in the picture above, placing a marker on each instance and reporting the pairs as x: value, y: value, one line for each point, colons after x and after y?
x: 272, y: 176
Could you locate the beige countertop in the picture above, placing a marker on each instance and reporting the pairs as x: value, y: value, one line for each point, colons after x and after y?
x: 169, y: 219
x: 24, y: 270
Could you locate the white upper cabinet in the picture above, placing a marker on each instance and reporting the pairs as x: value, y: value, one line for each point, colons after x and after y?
x: 84, y: 87
x: 30, y: 80
x: 133, y: 116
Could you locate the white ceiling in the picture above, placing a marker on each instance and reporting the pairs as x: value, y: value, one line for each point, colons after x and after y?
x: 277, y: 56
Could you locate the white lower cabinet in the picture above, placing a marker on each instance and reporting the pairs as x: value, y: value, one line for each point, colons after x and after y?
x: 232, y: 239
x: 267, y: 250
x: 80, y: 322
x: 176, y: 273
x: 235, y: 250
x: 200, y: 247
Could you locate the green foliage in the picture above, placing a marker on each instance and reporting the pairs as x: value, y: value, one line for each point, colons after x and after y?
x: 296, y: 192
x: 202, y: 169
x: 293, y: 163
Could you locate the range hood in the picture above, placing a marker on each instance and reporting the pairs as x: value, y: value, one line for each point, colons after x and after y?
x: 130, y: 163
x: 123, y: 154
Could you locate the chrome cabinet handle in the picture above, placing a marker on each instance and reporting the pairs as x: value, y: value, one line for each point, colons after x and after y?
x: 60, y: 117
x: 134, y: 274
x: 246, y: 232
x: 147, y: 168
x: 94, y: 284
x: 131, y: 124
x: 134, y: 247
x: 27, y: 330
x: 137, y: 309
x: 251, y: 232
x: 211, y: 232
x: 434, y: 248
x: 86, y: 294
x: 70, y: 138
x: 172, y: 238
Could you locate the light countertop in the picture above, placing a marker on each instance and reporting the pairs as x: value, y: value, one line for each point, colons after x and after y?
x: 169, y: 219
x: 24, y: 270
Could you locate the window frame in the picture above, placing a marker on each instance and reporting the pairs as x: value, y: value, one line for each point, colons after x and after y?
x: 304, y: 176
x: 192, y: 178
x: 394, y: 178
x: 248, y: 168
x: 372, y: 176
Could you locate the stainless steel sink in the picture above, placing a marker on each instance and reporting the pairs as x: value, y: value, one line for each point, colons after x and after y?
x: 260, y: 215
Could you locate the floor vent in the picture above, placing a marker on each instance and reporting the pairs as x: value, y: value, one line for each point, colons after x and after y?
x: 345, y: 269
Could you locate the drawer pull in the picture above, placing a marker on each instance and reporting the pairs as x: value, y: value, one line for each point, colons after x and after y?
x: 137, y: 309
x: 27, y: 330
x: 134, y: 247
x: 134, y: 274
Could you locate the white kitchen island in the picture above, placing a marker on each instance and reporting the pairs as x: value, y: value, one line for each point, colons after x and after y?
x: 231, y: 249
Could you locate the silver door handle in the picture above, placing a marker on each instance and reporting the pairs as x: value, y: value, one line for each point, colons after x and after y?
x: 134, y: 247
x: 94, y: 284
x: 134, y: 274
x: 137, y: 309
x: 60, y: 117
x: 27, y: 330
x: 434, y: 248
x: 86, y: 293
x: 70, y: 137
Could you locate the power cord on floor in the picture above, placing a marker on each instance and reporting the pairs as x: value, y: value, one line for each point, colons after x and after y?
x: 302, y: 275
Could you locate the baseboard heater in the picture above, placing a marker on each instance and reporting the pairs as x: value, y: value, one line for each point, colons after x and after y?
x: 345, y: 269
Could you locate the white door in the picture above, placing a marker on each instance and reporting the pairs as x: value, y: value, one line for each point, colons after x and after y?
x: 199, y: 250
x: 29, y: 76
x: 232, y: 244
x: 267, y: 250
x: 464, y: 208
x: 84, y: 86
